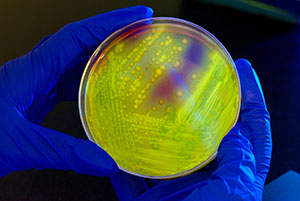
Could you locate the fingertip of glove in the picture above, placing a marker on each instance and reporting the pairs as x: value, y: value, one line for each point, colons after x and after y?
x: 149, y: 12
x: 104, y: 157
x: 243, y: 62
x: 233, y: 132
x: 246, y: 72
x: 114, y: 169
x: 235, y: 138
x: 143, y: 9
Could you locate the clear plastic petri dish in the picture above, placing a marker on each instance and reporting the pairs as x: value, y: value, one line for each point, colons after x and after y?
x: 158, y: 96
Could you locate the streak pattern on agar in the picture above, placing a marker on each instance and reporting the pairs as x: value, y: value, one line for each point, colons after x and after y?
x: 160, y: 99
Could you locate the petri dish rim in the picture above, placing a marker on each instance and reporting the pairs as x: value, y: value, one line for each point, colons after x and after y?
x: 105, y: 44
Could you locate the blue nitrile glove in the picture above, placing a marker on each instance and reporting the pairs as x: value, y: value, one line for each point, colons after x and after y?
x: 243, y: 158
x: 32, y: 85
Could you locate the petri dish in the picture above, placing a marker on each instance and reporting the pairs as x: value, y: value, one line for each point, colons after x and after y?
x: 158, y: 96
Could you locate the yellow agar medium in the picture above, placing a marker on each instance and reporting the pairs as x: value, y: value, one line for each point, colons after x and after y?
x: 159, y: 96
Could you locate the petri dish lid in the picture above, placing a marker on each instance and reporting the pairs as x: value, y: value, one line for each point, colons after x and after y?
x: 158, y: 96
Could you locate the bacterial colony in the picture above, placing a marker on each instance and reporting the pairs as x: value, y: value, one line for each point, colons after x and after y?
x: 160, y: 98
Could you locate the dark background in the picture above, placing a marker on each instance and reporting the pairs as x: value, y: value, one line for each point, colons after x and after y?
x: 272, y: 46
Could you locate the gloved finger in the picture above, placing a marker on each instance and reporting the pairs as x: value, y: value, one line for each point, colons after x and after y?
x: 254, y: 115
x: 45, y: 148
x: 32, y: 76
x: 235, y: 176
x: 128, y: 187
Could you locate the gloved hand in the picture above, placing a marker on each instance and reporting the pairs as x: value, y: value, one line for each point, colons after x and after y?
x: 32, y: 85
x: 243, y: 158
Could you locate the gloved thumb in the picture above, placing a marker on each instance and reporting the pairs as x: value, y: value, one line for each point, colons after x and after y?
x: 31, y: 146
x: 61, y: 151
